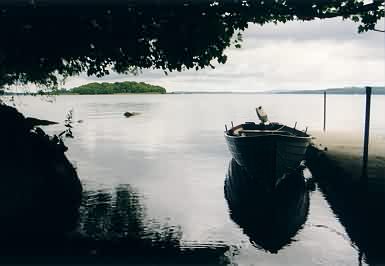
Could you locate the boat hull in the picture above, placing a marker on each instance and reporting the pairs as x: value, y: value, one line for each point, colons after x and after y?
x: 268, y: 156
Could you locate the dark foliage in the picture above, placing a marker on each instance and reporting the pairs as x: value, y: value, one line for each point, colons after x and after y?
x: 42, y: 43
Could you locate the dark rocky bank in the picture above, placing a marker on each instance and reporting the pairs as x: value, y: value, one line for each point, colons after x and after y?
x: 40, y: 191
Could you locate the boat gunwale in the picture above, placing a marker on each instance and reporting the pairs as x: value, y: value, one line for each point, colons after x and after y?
x: 264, y: 134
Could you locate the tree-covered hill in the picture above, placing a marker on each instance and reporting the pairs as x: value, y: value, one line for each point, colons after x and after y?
x: 113, y: 88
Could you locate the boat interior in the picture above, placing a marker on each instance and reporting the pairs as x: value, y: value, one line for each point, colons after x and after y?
x: 253, y: 129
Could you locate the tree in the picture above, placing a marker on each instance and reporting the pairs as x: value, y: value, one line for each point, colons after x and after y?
x: 43, y: 44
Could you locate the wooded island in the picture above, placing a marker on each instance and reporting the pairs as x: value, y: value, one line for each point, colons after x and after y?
x: 112, y: 88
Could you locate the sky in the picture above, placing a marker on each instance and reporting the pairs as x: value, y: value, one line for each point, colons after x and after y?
x: 297, y: 55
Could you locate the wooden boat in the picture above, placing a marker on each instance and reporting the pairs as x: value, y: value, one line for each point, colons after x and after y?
x: 267, y: 150
x: 271, y: 219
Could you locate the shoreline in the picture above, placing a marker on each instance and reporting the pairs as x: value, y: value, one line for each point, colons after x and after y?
x: 195, y: 93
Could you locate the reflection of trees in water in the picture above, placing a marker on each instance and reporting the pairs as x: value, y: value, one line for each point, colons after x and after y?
x: 121, y: 215
x: 112, y: 227
x: 114, y: 224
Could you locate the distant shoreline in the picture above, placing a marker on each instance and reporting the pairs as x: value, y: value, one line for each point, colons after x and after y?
x: 334, y: 91
x: 159, y: 90
x: 78, y: 94
x: 195, y: 93
x: 123, y: 93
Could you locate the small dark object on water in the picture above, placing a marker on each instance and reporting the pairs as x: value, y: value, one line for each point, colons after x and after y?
x: 326, y: 149
x: 80, y: 121
x: 129, y: 114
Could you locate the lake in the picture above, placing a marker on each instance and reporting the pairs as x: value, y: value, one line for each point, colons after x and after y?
x: 160, y: 177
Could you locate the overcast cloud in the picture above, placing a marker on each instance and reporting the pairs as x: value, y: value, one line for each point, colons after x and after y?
x: 296, y: 55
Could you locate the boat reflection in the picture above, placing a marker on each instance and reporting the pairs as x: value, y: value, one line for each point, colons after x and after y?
x: 269, y: 218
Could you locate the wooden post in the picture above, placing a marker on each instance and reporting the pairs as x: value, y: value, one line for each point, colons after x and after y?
x: 366, y: 135
x: 324, y: 110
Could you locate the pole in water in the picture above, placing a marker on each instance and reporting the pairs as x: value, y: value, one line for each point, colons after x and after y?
x: 226, y: 127
x: 295, y: 124
x: 232, y: 124
x: 366, y: 136
x: 324, y: 110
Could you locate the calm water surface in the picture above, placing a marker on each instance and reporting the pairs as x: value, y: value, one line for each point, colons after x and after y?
x: 161, y: 175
